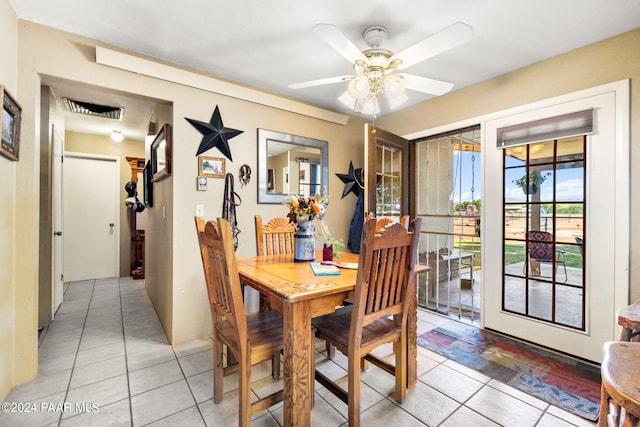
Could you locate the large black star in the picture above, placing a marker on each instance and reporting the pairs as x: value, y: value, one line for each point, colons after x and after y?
x: 214, y: 134
x: 352, y: 181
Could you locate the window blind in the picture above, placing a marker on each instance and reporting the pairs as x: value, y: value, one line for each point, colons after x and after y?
x: 564, y: 126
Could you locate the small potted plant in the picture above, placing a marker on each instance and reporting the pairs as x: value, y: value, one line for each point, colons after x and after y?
x: 331, y: 248
x: 531, y: 185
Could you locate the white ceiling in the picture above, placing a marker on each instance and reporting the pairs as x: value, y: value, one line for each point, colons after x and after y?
x: 270, y: 44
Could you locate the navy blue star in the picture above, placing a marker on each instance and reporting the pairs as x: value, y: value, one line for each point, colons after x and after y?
x: 215, y: 135
x: 352, y: 181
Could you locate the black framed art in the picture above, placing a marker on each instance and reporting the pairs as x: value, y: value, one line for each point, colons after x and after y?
x: 10, y: 125
x: 161, y: 154
x: 148, y: 185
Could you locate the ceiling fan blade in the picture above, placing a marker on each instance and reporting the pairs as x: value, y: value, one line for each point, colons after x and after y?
x: 337, y: 40
x: 452, y: 36
x: 319, y: 82
x: 426, y: 85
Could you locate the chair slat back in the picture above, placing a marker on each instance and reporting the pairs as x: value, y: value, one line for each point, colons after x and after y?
x: 385, y: 271
x: 540, y: 245
x: 221, y: 275
x: 276, y: 237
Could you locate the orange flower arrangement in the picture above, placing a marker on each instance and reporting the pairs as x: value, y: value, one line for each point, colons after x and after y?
x: 302, y: 209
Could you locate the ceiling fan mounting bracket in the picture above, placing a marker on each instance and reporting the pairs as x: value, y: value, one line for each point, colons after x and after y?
x: 375, y: 35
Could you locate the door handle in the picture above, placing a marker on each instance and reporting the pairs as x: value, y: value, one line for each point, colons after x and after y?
x: 58, y: 233
x: 111, y: 224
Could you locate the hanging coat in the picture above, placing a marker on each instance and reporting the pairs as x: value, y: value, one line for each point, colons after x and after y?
x: 357, y: 222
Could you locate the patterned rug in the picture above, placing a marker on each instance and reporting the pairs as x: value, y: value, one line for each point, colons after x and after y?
x: 563, y: 382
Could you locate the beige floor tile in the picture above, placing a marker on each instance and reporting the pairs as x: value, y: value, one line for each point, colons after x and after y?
x: 451, y: 383
x: 386, y: 414
x: 117, y: 414
x: 161, y: 402
x: 98, y: 371
x: 504, y: 409
x: 428, y: 405
x: 189, y: 417
x: 465, y: 417
x: 101, y: 393
x: 154, y: 376
x: 197, y: 362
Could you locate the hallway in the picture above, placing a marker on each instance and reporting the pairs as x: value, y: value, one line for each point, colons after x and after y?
x: 105, y: 361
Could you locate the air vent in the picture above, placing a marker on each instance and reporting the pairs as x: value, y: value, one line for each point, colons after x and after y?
x: 96, y: 110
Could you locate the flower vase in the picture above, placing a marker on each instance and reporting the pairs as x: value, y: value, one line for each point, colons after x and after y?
x: 304, y: 242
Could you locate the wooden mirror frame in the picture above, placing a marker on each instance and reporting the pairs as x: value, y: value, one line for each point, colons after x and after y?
x: 164, y: 135
x: 264, y: 136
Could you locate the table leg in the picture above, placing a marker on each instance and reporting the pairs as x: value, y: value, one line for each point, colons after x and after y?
x: 412, y: 341
x: 298, y: 375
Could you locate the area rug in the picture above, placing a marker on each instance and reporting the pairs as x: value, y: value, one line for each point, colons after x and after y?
x: 563, y: 382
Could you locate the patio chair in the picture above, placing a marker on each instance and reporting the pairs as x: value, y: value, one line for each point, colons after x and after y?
x: 540, y: 249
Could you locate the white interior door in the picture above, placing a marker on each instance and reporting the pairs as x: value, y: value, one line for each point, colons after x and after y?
x: 56, y: 184
x: 91, y: 225
x: 606, y: 227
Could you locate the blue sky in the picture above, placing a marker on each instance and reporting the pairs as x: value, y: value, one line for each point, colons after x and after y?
x: 569, y: 186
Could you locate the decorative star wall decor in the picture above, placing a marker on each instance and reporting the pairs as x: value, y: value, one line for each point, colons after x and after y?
x: 214, y: 134
x: 352, y: 181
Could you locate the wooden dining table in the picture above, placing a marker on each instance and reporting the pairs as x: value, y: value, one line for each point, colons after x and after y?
x: 293, y: 289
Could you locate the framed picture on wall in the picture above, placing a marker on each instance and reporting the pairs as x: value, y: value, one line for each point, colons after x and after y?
x: 161, y: 154
x: 148, y: 185
x: 10, y: 125
x: 211, y: 167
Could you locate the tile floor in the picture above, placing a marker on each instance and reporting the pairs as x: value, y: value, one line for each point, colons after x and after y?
x: 105, y: 361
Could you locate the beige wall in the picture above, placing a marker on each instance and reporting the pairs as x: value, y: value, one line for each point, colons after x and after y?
x: 174, y: 276
x: 608, y: 61
x: 9, y: 326
x: 95, y: 144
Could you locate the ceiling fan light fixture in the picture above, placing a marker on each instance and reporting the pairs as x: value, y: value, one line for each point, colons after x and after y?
x: 359, y: 87
x: 370, y: 105
x: 394, y: 85
x: 348, y: 100
x: 374, y: 68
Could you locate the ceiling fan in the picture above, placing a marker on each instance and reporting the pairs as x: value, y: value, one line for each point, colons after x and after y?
x: 376, y: 68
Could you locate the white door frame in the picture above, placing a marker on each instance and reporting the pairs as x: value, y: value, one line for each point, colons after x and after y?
x: 618, y: 277
x: 57, y: 252
x: 116, y: 180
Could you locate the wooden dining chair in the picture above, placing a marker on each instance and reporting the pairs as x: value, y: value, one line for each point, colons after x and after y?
x: 251, y: 338
x: 276, y: 237
x: 620, y: 394
x: 382, y: 223
x: 379, y: 311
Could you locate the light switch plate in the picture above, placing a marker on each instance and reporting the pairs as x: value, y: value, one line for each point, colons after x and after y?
x: 200, y: 210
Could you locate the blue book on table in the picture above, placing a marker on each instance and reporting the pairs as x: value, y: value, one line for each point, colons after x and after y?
x: 324, y: 270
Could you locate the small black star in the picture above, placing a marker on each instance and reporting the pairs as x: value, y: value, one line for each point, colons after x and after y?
x: 351, y: 181
x: 215, y: 135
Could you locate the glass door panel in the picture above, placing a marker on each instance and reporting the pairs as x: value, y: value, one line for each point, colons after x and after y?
x: 544, y: 219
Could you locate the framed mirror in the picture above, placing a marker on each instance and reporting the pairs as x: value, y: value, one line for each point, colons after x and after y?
x: 161, y: 154
x: 291, y: 164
